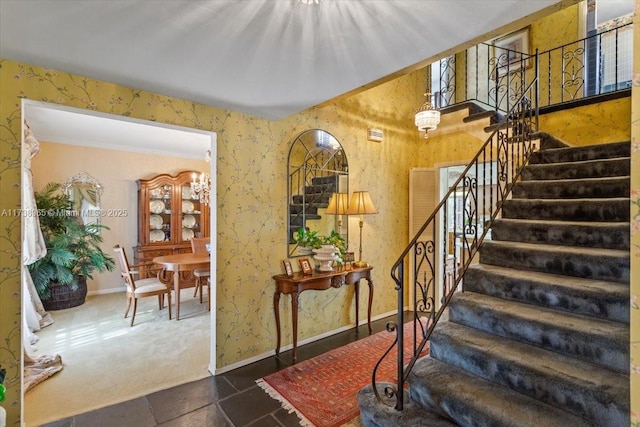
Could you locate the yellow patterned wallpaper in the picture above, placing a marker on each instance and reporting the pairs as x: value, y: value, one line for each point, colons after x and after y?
x: 251, y: 193
x: 565, y: 30
x: 591, y: 124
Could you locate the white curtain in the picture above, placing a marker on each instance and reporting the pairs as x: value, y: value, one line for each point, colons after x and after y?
x: 34, y: 316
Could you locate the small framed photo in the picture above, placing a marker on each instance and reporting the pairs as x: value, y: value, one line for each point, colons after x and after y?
x: 288, y: 270
x: 348, y: 258
x: 305, y: 265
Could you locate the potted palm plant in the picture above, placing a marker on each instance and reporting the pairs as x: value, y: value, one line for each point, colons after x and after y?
x: 73, y: 252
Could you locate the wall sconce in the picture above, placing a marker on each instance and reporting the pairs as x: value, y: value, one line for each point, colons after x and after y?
x: 361, y: 204
x: 427, y: 118
x: 338, y: 206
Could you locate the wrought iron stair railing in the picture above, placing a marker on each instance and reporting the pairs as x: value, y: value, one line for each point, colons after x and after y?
x: 584, y: 68
x: 478, y: 193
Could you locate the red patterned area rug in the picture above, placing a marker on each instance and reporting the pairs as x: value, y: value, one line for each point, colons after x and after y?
x: 323, y: 391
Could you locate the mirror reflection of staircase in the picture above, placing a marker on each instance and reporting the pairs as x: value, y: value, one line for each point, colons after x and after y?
x: 315, y: 195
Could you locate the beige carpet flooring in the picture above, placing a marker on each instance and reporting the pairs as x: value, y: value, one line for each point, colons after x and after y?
x: 106, y: 361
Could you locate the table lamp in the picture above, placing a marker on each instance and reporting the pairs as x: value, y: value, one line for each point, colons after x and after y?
x: 362, y: 205
x: 338, y: 206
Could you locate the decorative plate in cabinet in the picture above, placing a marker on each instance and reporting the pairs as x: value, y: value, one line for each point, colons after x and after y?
x: 156, y: 236
x: 156, y: 206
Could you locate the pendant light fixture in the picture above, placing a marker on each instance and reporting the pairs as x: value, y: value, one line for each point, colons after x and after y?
x: 427, y: 118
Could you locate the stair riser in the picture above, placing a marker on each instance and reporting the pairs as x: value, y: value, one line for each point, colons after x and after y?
x: 320, y: 189
x: 333, y: 180
x: 584, y: 345
x: 576, y: 154
x: 447, y: 390
x: 588, y: 266
x: 573, y: 189
x: 615, y: 210
x: 563, y: 391
x: 313, y: 200
x: 577, y: 170
x: 376, y: 414
x: 614, y: 236
x: 613, y: 305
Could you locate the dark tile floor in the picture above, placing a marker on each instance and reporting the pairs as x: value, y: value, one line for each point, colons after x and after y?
x: 229, y: 399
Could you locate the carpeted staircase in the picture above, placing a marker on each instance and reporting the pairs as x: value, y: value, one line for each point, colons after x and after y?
x: 540, y: 335
x: 304, y: 207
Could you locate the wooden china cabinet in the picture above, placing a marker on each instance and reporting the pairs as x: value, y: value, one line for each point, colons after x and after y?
x: 168, y: 217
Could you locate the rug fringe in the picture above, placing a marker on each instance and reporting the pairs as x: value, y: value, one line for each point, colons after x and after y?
x: 286, y: 405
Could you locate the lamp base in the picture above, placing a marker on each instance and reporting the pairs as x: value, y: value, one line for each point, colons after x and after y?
x: 360, y: 264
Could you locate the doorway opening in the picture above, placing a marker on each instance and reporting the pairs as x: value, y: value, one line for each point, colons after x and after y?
x: 73, y: 131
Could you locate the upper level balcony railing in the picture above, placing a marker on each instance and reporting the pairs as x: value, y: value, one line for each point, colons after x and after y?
x: 598, y: 64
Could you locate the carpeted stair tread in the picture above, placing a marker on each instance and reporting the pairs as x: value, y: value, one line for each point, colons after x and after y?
x: 596, y: 298
x: 376, y: 414
x: 600, y: 395
x: 610, y: 235
x: 602, y: 342
x: 575, y: 170
x: 607, y: 210
x: 589, y: 263
x: 471, y: 401
x: 617, y: 186
x: 582, y: 153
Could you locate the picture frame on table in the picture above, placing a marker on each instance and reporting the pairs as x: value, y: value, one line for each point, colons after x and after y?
x: 305, y: 266
x: 288, y: 269
x: 510, y: 49
x: 348, y: 259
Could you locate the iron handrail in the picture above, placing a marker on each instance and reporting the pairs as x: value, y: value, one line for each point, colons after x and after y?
x: 587, y: 67
x: 509, y: 146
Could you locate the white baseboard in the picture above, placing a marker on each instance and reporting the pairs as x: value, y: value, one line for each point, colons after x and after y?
x: 270, y: 353
x: 106, y: 291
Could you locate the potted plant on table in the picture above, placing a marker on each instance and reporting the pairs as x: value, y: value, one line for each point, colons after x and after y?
x: 307, y: 240
x: 334, y: 238
x: 73, y: 252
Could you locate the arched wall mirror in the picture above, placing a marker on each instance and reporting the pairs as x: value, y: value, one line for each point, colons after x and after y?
x: 85, y: 193
x: 318, y: 174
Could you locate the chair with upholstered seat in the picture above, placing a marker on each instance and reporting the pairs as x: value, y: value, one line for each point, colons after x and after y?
x: 199, y: 245
x: 139, y: 288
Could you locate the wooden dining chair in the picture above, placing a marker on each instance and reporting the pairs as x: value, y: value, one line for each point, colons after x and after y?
x: 139, y: 288
x: 199, y: 245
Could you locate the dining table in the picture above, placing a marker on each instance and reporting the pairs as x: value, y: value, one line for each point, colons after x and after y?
x: 179, y: 264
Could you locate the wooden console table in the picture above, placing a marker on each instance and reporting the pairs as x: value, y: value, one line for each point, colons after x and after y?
x: 297, y: 283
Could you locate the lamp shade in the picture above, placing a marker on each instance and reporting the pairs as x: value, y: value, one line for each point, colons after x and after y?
x: 361, y: 204
x: 338, y: 204
x: 427, y: 120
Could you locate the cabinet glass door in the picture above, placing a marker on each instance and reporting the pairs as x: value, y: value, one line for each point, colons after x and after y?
x: 191, y: 215
x: 160, y: 210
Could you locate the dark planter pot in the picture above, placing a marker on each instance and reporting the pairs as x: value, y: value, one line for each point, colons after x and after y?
x: 63, y: 296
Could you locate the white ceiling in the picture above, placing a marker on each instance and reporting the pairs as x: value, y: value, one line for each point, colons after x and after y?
x: 268, y: 58
x: 73, y: 126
